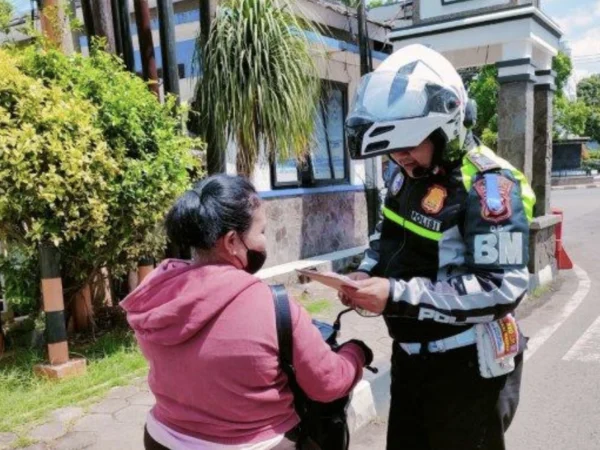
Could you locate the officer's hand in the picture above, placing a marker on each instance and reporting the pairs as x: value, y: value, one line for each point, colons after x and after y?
x: 356, y: 276
x: 372, y: 294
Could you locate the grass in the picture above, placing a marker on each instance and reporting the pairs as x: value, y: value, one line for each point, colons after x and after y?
x: 314, y: 306
x: 317, y: 306
x: 113, y: 360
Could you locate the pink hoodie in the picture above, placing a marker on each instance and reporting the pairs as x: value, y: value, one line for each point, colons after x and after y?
x: 209, y: 335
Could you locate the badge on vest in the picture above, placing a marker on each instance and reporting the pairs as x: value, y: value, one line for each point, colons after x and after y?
x: 434, y: 201
x: 424, y: 221
x: 482, y: 162
x: 502, y: 248
x: 490, y: 211
x: 397, y: 183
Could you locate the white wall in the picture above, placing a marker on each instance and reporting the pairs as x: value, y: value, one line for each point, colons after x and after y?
x: 434, y: 8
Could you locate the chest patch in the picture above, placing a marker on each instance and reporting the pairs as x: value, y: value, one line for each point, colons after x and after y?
x: 503, y: 211
x: 426, y: 222
x: 434, y: 200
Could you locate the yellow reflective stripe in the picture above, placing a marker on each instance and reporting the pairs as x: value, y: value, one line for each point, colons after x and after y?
x: 411, y: 226
x: 469, y: 170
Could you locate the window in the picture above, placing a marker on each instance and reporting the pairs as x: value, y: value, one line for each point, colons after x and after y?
x: 327, y: 160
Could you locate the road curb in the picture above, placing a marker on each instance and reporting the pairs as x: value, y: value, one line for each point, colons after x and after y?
x: 575, y: 186
x: 370, y: 397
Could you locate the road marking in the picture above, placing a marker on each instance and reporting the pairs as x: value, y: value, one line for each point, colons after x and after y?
x: 587, y: 348
x: 546, y: 333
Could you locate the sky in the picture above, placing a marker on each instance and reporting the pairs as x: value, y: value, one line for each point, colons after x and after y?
x: 579, y: 21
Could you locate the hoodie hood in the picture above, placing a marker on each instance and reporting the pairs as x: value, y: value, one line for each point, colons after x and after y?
x: 180, y: 298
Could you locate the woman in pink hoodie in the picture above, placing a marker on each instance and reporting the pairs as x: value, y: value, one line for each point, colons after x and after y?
x: 207, y: 329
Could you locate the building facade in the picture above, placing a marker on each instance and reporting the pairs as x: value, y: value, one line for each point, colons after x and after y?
x: 319, y: 207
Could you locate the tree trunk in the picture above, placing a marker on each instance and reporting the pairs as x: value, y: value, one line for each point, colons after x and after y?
x: 103, y: 23
x: 88, y: 19
x: 208, y: 12
x: 75, y: 33
x: 145, y: 267
x: 170, y: 70
x: 127, y: 44
x: 142, y: 17
x: 116, y: 24
x: 55, y: 25
x: 82, y: 309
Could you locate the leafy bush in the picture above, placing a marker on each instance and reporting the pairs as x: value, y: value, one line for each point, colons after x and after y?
x: 55, y: 167
x: 591, y: 164
x: 594, y: 154
x: 21, y: 287
x: 89, y: 160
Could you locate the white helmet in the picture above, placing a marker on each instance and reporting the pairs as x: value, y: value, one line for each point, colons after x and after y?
x: 412, y: 94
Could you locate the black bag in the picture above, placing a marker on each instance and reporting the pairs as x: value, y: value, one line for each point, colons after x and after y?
x: 323, y: 426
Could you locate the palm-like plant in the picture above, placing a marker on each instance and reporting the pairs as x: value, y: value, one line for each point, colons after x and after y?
x: 259, y: 85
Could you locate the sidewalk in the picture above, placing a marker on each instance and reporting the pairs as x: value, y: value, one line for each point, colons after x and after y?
x: 117, y: 421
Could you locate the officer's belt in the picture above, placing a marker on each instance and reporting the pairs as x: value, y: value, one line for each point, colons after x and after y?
x: 411, y: 226
x: 463, y: 339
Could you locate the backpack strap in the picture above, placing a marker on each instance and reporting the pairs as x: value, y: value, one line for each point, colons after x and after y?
x: 283, y: 320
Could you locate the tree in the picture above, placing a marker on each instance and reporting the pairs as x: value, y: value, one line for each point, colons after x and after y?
x: 259, y: 86
x: 570, y: 117
x: 588, y: 90
x: 6, y: 11
x: 484, y: 90
x: 593, y: 125
x: 563, y: 66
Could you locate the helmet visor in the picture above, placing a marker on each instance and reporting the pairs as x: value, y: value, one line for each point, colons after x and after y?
x: 392, y: 96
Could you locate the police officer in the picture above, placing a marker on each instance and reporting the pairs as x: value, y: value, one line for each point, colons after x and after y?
x: 448, y: 264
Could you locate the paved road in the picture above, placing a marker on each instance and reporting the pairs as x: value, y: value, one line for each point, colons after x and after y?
x: 560, y: 400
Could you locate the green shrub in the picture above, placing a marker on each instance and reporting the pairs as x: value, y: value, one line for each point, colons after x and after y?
x: 89, y: 160
x: 144, y: 137
x: 21, y: 287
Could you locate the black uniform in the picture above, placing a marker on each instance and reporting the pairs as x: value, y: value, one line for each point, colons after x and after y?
x: 455, y: 247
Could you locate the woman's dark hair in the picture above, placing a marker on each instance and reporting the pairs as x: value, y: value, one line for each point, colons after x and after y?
x: 215, y: 206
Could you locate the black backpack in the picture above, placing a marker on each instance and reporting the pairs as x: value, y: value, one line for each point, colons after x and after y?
x: 323, y: 426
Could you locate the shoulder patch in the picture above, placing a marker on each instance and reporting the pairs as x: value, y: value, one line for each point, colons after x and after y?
x: 397, y: 183
x: 482, y: 162
x: 495, y: 196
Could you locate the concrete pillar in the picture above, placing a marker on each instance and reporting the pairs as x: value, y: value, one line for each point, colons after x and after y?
x: 515, y: 113
x: 542, y: 142
x: 516, y: 75
x: 60, y: 366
